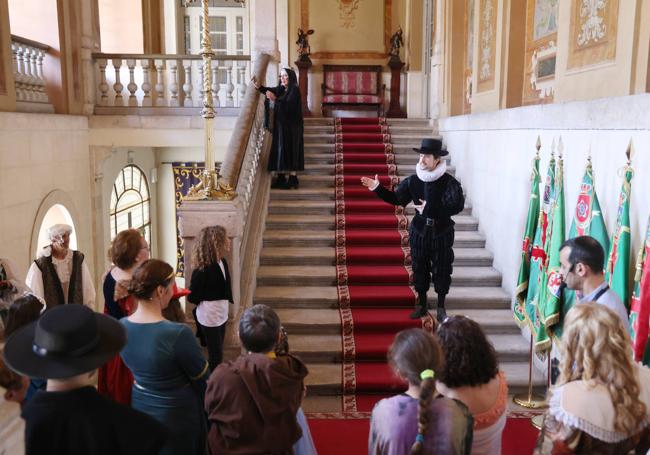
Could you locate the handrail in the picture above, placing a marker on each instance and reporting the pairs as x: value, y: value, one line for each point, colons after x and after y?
x: 232, y: 163
x: 31, y: 43
x: 243, y: 58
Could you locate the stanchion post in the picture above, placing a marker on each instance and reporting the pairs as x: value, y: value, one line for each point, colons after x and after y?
x: 530, y: 400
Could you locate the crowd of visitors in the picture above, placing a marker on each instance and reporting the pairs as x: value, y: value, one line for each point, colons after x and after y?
x: 158, y: 394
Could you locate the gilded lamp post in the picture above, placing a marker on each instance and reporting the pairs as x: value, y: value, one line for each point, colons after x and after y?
x: 209, y: 188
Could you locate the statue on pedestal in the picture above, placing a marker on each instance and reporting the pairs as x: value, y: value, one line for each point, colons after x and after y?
x: 303, y: 44
x: 396, y: 42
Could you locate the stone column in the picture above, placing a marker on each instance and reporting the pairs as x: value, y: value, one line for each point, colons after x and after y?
x: 90, y: 42
x: 152, y: 26
x: 7, y: 84
x: 98, y: 155
x: 264, y: 33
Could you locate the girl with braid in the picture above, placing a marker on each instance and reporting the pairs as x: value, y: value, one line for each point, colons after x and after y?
x: 419, y: 421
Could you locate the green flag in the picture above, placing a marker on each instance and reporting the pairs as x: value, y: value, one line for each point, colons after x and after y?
x: 587, y: 220
x: 538, y: 260
x: 617, y: 271
x: 527, y: 245
x: 550, y: 294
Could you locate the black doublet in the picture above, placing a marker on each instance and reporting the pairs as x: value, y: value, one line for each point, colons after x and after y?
x: 431, y: 234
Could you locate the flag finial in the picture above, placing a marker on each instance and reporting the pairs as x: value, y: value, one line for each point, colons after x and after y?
x: 538, y: 143
x: 560, y: 147
x: 553, y: 148
x: 628, y: 153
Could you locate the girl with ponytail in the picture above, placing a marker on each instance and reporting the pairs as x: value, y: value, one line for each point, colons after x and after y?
x: 419, y: 421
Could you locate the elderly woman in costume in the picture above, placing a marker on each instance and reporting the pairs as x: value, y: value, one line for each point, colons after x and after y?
x: 287, y: 148
x: 601, y: 402
x: 60, y: 275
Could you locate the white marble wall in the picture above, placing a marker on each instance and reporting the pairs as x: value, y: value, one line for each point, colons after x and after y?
x: 493, y: 153
x: 41, y: 153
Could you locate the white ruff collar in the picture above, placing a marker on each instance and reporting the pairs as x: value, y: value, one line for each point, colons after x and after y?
x: 431, y: 176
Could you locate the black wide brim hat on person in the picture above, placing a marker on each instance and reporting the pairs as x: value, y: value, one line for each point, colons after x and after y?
x: 431, y: 146
x: 66, y: 341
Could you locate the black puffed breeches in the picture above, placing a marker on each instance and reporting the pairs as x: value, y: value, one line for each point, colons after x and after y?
x: 432, y: 259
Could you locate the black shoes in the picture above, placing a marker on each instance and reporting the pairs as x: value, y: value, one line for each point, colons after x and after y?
x: 419, y: 312
x: 441, y: 314
x: 280, y: 183
x: 420, y: 307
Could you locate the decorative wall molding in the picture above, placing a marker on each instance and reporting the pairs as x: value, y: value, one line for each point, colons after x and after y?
x: 540, y: 54
x: 487, y: 35
x: 468, y: 74
x: 593, y: 32
x: 341, y: 7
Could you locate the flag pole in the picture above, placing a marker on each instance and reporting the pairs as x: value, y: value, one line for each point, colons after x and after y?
x: 538, y: 420
x: 530, y: 400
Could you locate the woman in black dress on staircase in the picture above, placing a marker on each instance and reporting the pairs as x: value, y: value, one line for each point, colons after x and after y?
x: 284, y: 119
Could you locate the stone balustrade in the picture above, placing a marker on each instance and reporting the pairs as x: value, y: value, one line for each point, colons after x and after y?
x: 27, y: 59
x: 137, y: 83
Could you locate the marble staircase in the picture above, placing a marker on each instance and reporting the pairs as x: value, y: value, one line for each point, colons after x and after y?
x: 297, y: 274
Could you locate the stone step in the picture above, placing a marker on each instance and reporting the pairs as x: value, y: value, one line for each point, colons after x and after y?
x: 321, y: 321
x: 286, y: 217
x: 401, y: 129
x: 323, y: 348
x: 472, y: 257
x: 395, y: 139
x: 311, y: 297
x: 317, y: 194
x: 288, y: 238
x: 329, y: 147
x: 317, y: 121
x: 322, y: 178
x: 403, y: 157
x: 325, y: 379
x: 324, y: 170
x: 318, y: 212
x: 321, y: 275
x: 308, y: 215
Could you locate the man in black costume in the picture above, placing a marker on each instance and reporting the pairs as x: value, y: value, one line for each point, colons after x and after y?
x: 436, y: 196
x: 283, y: 117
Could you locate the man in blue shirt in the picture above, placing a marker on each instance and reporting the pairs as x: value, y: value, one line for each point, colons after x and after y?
x: 581, y: 265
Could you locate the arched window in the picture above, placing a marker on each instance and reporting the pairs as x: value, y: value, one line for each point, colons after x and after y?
x: 130, y: 202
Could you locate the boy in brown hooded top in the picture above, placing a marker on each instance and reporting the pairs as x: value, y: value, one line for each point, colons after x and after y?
x: 252, y: 401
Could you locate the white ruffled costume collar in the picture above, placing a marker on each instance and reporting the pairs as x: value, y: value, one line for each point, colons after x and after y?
x: 431, y: 176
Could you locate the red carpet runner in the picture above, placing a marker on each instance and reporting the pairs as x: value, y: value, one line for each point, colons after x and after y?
x: 350, y: 436
x: 373, y: 264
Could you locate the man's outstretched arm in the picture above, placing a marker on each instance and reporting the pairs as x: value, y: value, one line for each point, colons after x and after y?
x: 401, y: 195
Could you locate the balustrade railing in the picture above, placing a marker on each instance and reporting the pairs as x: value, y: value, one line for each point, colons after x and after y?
x: 27, y: 60
x: 128, y: 83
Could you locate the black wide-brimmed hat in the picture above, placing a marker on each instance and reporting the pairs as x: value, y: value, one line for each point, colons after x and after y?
x: 65, y: 341
x: 431, y: 146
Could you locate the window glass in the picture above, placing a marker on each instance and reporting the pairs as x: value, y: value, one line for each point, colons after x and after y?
x: 129, y: 207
